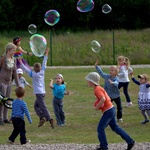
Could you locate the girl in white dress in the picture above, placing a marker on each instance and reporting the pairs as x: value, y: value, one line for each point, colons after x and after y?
x: 143, y: 96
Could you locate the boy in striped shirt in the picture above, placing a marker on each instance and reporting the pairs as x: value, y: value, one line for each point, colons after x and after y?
x: 19, y: 109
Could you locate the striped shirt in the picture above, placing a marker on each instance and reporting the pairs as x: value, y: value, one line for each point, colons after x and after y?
x: 19, y: 109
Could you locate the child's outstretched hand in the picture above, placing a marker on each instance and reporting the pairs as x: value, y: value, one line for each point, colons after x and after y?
x: 131, y: 74
x: 96, y: 63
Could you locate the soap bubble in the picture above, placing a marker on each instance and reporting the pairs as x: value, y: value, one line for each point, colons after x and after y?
x: 51, y: 17
x: 106, y: 9
x: 85, y: 5
x: 95, y: 46
x: 38, y: 44
x: 32, y: 29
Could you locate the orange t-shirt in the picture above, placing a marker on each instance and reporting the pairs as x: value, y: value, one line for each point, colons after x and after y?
x: 99, y: 93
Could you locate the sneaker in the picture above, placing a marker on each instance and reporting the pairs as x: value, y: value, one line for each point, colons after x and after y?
x: 61, y: 125
x: 10, y: 142
x: 144, y: 122
x: 2, y: 123
x: 27, y: 142
x: 52, y: 123
x: 128, y: 104
x: 7, y: 121
x: 131, y: 145
x: 120, y: 120
x: 41, y: 122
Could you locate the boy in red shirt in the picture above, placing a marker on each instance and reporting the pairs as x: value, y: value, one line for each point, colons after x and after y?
x: 109, y: 112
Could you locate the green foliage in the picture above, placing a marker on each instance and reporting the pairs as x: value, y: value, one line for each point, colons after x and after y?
x: 81, y: 118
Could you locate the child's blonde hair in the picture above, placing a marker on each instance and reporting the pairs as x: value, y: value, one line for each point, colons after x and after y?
x: 115, y: 68
x: 125, y: 60
x: 37, y: 67
x: 9, y: 46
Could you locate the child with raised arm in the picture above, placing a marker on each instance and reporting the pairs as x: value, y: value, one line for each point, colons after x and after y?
x: 19, y: 52
x: 123, y: 75
x: 111, y: 87
x: 38, y: 82
x: 109, y: 113
x: 19, y: 109
x: 143, y: 96
x: 59, y: 90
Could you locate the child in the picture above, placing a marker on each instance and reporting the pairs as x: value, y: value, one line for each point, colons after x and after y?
x: 59, y: 90
x: 37, y: 76
x: 19, y: 109
x: 108, y: 117
x: 111, y: 87
x: 19, y: 52
x: 22, y: 80
x: 143, y: 96
x: 124, y: 71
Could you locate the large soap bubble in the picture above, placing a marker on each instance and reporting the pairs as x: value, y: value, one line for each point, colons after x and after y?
x: 51, y: 17
x: 32, y: 29
x: 106, y: 9
x: 38, y: 44
x: 85, y: 5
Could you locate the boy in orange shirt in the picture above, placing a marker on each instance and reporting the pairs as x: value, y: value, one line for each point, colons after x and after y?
x: 109, y: 112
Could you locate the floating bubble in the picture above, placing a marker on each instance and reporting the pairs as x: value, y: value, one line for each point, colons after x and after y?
x: 51, y: 17
x: 95, y: 46
x: 106, y: 9
x: 38, y: 44
x: 85, y: 5
x: 32, y: 29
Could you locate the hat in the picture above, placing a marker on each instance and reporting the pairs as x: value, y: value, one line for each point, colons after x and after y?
x: 19, y: 71
x: 16, y: 40
x: 60, y: 75
x: 93, y: 77
x: 145, y: 76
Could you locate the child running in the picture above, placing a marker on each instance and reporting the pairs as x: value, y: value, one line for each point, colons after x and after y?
x: 19, y: 109
x: 108, y: 117
x: 143, y: 96
x: 37, y: 76
x: 59, y: 90
x: 111, y: 87
x: 124, y: 71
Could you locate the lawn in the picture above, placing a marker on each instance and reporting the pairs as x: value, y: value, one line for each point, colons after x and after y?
x: 81, y: 118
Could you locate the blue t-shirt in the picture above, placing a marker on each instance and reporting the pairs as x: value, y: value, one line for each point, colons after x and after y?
x: 59, y: 90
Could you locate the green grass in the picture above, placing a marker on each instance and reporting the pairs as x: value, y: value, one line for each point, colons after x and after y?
x: 81, y: 118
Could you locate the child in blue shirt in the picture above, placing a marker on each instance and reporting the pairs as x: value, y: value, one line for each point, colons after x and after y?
x: 59, y: 90
x: 19, y: 109
x: 111, y: 87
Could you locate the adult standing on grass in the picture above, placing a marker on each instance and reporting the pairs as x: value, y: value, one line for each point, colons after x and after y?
x: 123, y: 74
x: 59, y: 90
x: 143, y: 96
x: 111, y: 87
x: 108, y: 117
x: 7, y: 72
x: 19, y: 109
x: 19, y: 52
x: 38, y: 82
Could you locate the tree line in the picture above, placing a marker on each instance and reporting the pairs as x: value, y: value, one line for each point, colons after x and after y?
x: 18, y: 15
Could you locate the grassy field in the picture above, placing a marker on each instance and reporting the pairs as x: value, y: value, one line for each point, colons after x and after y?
x: 74, y: 49
x: 81, y: 118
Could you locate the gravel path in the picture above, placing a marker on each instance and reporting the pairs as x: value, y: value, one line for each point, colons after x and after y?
x: 119, y: 146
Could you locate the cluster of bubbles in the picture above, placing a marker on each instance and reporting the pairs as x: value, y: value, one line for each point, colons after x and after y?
x: 38, y: 42
x: 86, y: 6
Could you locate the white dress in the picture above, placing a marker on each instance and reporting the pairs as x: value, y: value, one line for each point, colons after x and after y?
x: 144, y: 97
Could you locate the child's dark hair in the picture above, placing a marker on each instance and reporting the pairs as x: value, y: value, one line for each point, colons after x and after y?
x: 20, y: 91
x: 37, y: 67
x: 16, y: 40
